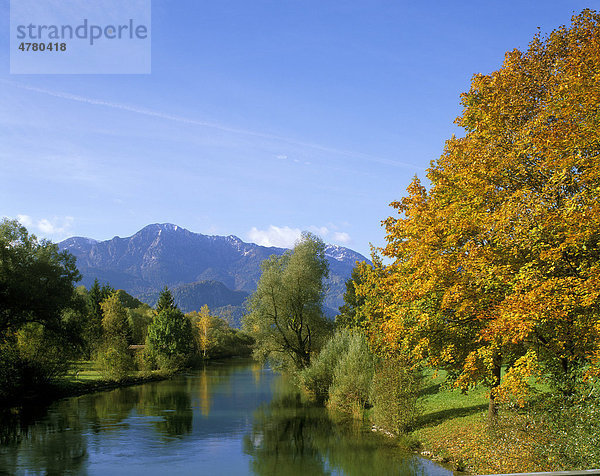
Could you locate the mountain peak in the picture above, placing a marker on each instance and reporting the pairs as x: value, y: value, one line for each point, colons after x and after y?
x: 341, y: 253
x: 162, y: 227
x: 165, y: 254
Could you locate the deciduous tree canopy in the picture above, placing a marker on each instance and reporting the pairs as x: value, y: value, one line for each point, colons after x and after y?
x: 286, y: 316
x: 36, y: 279
x: 170, y: 332
x: 498, y: 262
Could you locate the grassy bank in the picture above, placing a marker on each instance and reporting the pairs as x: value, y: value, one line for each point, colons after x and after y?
x: 454, y: 429
x: 84, y: 377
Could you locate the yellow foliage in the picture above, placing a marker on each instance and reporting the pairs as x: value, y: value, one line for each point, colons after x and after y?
x: 499, y: 262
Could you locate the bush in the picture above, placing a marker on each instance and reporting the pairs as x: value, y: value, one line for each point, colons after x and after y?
x: 171, y: 363
x: 114, y: 359
x: 10, y: 369
x: 43, y: 355
x: 317, y: 378
x: 394, y: 395
x: 145, y: 360
x: 349, y: 391
x: 568, y: 431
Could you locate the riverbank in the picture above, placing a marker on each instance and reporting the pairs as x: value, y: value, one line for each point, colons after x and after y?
x: 73, y: 388
x: 85, y: 378
x: 454, y: 430
x: 69, y: 387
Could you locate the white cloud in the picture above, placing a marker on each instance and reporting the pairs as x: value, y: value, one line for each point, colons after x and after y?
x: 341, y: 237
x: 284, y: 237
x: 25, y: 220
x: 54, y: 228
x: 322, y: 231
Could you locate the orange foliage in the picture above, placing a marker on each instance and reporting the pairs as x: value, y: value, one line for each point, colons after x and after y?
x: 498, y: 263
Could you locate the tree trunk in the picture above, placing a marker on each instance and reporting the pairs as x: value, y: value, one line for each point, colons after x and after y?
x: 496, y: 374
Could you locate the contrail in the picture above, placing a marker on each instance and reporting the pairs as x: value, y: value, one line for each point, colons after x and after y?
x: 211, y: 125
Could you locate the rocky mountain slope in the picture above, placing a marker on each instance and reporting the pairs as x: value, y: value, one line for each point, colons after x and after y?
x: 220, y: 271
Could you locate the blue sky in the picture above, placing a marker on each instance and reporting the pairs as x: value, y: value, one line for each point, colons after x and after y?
x: 259, y: 119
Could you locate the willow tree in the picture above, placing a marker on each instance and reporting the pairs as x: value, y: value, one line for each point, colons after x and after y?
x: 497, y: 264
x: 286, y: 312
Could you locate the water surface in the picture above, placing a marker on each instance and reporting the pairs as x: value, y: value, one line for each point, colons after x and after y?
x: 231, y: 418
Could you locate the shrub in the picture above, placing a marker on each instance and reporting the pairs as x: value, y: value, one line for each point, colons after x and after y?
x: 349, y: 391
x: 394, y: 395
x: 568, y: 429
x: 43, y: 355
x: 144, y: 361
x: 10, y: 369
x: 171, y: 363
x: 318, y: 377
x: 114, y: 359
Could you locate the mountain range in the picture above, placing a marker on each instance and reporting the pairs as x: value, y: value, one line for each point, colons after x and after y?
x: 220, y: 271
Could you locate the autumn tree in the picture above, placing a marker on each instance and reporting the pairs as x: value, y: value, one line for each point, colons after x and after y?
x: 286, y: 312
x: 497, y: 263
x: 214, y: 336
x: 202, y: 323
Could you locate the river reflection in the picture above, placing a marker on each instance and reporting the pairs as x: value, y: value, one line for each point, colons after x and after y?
x: 229, y: 418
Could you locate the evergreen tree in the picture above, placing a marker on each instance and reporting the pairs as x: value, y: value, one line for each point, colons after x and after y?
x: 96, y: 294
x: 165, y: 301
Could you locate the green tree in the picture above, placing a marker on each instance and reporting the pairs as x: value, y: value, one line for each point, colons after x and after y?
x: 36, y: 290
x: 165, y: 301
x: 127, y: 300
x: 36, y: 279
x: 347, y: 316
x: 286, y: 311
x: 93, y: 328
x: 113, y: 356
x: 115, y: 323
x: 170, y: 337
x: 139, y: 320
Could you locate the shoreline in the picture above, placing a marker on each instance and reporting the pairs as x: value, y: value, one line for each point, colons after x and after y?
x: 53, y: 391
x: 56, y: 390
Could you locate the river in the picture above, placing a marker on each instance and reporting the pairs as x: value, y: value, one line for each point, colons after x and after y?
x: 231, y: 418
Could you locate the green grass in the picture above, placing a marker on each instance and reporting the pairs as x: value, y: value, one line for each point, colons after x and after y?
x: 441, y: 403
x: 84, y: 376
x: 453, y: 428
x: 83, y: 371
